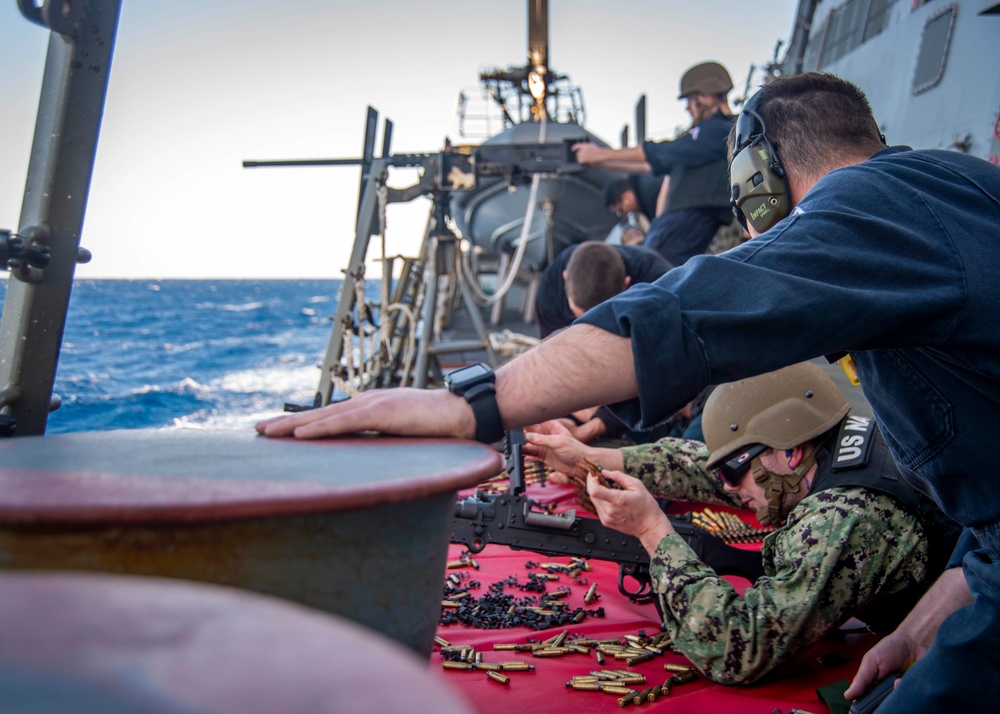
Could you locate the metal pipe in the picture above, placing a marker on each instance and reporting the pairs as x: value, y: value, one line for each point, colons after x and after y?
x: 70, y: 108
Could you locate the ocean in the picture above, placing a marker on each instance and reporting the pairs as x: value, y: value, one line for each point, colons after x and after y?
x: 189, y: 353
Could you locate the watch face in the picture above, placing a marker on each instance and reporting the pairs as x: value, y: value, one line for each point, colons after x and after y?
x: 470, y: 376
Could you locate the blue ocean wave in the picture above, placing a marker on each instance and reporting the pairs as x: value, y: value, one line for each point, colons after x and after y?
x: 189, y: 353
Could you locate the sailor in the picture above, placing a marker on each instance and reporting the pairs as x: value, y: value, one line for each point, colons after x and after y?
x: 638, y: 194
x: 587, y: 274
x: 580, y: 277
x: 697, y: 201
x: 635, y: 201
x: 885, y: 252
x: 852, y: 538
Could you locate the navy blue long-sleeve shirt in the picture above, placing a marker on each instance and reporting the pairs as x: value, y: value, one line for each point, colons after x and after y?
x: 897, y: 260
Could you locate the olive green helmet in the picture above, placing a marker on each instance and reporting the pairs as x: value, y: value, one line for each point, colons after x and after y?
x: 706, y: 78
x: 779, y: 409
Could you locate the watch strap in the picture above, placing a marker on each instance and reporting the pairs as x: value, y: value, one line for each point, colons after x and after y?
x: 483, y: 400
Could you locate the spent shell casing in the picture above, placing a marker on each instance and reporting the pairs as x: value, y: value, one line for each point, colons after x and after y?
x: 501, y: 647
x: 497, y: 677
x: 641, y: 696
x: 635, y: 678
x: 517, y: 666
x: 550, y: 652
x: 456, y: 665
x: 584, y: 686
x: 488, y: 666
x: 616, y: 689
x: 591, y: 593
x: 602, y: 675
x: 671, y: 667
x: 616, y: 673
x: 639, y: 659
x: 685, y: 677
x: 441, y: 642
x: 654, y: 693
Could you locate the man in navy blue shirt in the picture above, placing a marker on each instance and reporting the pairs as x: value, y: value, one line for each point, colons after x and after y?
x: 580, y: 277
x: 697, y: 202
x: 587, y: 274
x: 889, y: 254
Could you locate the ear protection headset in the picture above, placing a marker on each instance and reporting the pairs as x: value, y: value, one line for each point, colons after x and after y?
x: 759, y: 184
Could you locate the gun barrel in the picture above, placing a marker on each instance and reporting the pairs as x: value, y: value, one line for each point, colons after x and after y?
x: 253, y: 164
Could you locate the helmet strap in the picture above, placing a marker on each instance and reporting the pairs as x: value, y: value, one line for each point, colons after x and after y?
x: 777, y: 487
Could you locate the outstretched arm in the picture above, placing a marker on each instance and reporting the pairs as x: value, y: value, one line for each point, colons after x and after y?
x: 576, y: 368
x: 631, y: 159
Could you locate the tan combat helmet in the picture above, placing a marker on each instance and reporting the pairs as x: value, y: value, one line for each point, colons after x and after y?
x: 706, y: 78
x: 780, y: 410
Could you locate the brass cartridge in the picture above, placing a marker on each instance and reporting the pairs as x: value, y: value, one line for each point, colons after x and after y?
x: 497, y: 677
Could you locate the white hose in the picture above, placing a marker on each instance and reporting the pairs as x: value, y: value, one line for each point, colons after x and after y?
x: 522, y: 242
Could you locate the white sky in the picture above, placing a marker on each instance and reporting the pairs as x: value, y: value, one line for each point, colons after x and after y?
x: 197, y: 86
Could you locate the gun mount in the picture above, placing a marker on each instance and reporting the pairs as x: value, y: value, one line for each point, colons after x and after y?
x: 511, y: 519
x: 503, y: 208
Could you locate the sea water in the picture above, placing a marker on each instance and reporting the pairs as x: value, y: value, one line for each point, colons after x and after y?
x: 189, y: 353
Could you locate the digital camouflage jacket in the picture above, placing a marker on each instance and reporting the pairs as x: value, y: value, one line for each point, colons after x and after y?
x: 838, y: 550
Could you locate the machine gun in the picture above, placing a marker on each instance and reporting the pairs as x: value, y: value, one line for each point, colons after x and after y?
x: 508, y: 519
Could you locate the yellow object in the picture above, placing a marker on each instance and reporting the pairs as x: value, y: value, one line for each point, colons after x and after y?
x: 848, y: 364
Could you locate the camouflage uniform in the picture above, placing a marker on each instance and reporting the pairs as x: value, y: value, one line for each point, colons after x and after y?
x: 837, y: 550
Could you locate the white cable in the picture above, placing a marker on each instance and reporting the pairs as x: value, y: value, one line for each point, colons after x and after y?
x: 515, y: 266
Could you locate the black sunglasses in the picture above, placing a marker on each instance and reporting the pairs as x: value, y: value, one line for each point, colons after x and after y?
x: 732, y: 470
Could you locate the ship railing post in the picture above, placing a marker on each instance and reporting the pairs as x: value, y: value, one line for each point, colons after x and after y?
x: 70, y: 107
x: 365, y: 227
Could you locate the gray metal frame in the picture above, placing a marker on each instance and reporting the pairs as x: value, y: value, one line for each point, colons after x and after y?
x: 74, y: 87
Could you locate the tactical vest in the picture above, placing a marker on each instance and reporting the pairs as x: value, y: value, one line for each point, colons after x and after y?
x: 858, y: 456
x: 705, y: 186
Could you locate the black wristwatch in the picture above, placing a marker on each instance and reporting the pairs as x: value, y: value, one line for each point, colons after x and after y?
x: 475, y: 384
